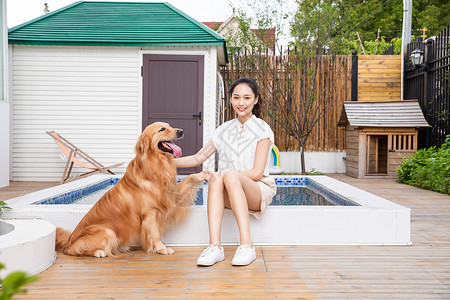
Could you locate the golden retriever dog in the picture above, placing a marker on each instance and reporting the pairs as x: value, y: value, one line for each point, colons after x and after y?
x: 145, y: 201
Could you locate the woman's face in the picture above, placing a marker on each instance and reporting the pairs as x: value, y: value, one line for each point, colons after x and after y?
x: 243, y: 99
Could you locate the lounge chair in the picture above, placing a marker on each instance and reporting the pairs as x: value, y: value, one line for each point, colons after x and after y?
x: 71, y: 152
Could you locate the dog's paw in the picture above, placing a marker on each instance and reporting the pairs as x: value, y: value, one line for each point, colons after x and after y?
x: 100, y: 253
x: 165, y: 251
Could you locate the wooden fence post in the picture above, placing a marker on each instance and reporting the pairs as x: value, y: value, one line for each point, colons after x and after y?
x: 354, y: 76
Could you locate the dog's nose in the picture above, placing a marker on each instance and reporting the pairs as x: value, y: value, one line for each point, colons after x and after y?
x: 179, y: 133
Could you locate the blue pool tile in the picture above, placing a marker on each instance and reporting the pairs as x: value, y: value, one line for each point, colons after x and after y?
x: 288, y: 197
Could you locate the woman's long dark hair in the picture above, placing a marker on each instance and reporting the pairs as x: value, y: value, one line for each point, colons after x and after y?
x: 252, y: 84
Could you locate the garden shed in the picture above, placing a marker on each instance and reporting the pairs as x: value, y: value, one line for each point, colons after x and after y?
x: 99, y: 72
x: 379, y: 135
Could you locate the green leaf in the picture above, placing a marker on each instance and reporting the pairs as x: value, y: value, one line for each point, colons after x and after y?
x: 12, y: 284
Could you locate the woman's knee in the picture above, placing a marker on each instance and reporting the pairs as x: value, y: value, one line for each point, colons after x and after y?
x: 231, y: 178
x: 215, y: 183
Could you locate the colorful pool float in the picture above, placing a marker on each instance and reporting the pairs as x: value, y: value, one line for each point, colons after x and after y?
x: 276, y: 169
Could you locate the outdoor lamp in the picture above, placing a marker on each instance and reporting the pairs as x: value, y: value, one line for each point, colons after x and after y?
x: 416, y: 57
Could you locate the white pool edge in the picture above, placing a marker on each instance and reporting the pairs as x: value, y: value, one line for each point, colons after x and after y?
x: 376, y: 222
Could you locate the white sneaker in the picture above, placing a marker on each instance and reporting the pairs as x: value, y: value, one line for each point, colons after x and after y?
x: 211, y: 255
x: 245, y: 255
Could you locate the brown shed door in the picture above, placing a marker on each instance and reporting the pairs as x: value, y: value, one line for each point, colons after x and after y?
x: 377, y: 154
x: 173, y: 93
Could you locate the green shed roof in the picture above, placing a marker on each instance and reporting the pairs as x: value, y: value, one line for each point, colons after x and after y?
x: 87, y: 23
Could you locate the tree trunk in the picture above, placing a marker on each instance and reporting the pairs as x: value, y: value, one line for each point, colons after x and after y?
x: 302, y: 159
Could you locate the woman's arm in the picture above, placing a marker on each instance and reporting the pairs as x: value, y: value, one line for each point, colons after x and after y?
x: 262, y: 151
x: 198, y: 158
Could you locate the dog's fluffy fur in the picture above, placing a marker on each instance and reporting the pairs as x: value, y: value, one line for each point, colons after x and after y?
x: 140, y: 206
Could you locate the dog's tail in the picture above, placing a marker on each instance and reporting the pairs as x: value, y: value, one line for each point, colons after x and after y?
x: 62, y: 239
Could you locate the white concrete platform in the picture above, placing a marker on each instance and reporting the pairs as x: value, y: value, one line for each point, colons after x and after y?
x: 26, y: 245
x: 376, y: 221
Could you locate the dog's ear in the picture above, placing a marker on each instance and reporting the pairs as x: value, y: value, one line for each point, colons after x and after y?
x: 142, y: 145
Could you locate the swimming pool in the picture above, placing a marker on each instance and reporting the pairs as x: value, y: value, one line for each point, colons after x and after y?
x: 366, y: 220
x: 301, y: 192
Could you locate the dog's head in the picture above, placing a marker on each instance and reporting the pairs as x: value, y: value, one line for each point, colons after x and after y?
x: 158, y: 138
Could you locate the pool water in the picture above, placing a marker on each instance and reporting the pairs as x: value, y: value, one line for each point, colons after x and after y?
x: 287, y: 195
x: 299, y: 195
x: 93, y: 197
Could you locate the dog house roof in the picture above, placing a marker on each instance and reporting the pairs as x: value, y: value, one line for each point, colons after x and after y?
x: 383, y: 114
x: 93, y: 23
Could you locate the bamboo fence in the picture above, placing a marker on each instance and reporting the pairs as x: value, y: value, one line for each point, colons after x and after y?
x: 287, y: 84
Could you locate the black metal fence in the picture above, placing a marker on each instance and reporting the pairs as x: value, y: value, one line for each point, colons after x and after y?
x: 430, y: 85
x: 389, y: 51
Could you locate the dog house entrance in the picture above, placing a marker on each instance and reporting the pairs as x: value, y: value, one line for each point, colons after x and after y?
x: 377, y: 154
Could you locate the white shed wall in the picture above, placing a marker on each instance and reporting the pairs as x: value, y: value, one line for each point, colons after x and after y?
x: 90, y: 95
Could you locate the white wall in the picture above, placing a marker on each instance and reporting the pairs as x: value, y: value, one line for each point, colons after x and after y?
x: 4, y: 105
x: 90, y: 95
x: 4, y: 144
x: 325, y: 162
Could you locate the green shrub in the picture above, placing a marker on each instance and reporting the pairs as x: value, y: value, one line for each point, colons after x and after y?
x: 428, y: 169
x: 13, y: 283
x: 3, y: 206
x: 314, y: 172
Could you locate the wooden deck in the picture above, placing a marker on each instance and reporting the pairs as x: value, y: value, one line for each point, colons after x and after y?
x: 420, y: 271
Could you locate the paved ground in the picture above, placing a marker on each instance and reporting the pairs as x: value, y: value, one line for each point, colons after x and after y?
x: 420, y: 271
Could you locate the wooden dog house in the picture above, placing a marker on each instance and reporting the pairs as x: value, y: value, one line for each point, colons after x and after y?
x: 379, y: 135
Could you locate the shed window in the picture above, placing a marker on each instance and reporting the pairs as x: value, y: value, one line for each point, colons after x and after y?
x: 402, y: 142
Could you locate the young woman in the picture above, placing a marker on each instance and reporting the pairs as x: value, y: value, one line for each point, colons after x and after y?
x: 242, y: 182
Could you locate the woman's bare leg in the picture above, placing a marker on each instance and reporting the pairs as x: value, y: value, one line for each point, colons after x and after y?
x: 243, y: 194
x: 216, y: 207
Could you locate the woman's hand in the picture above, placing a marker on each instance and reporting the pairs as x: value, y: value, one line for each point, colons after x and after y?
x: 207, y: 175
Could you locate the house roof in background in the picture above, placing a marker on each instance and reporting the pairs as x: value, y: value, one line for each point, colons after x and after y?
x: 213, y: 25
x: 87, y: 23
x: 266, y: 35
x: 383, y: 114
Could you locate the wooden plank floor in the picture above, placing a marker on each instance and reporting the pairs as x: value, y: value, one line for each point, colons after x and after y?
x: 420, y: 271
